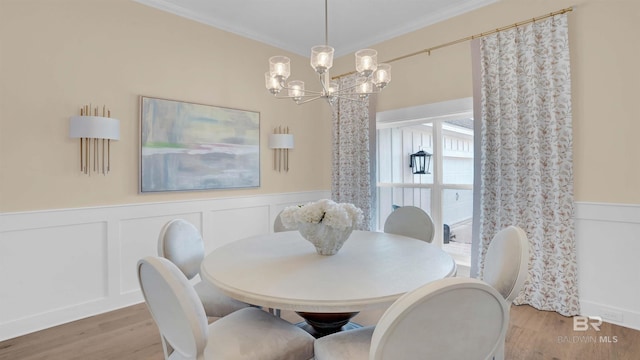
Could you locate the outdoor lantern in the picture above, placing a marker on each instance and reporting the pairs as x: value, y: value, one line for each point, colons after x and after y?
x: 420, y: 162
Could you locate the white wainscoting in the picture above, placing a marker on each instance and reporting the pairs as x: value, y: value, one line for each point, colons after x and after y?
x: 61, y: 265
x: 58, y: 266
x: 608, y: 249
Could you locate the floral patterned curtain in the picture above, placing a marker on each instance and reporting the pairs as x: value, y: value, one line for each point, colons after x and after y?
x: 351, y: 177
x: 526, y: 166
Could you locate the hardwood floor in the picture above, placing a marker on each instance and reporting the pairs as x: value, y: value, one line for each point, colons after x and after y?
x: 537, y: 334
x: 130, y: 333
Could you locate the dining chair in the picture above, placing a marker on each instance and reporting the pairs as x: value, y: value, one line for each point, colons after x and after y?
x: 277, y: 224
x: 506, y: 266
x: 452, y: 318
x: 181, y: 243
x: 249, y: 333
x: 410, y: 221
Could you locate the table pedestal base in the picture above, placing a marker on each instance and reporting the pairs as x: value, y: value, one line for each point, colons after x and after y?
x: 321, y: 324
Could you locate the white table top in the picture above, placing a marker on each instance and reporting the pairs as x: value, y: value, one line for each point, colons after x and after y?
x: 283, y: 271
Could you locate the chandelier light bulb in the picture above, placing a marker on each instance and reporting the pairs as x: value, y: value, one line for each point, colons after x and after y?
x: 321, y: 58
x: 280, y: 67
x: 364, y: 89
x: 382, y: 76
x: 296, y: 89
x: 366, y: 62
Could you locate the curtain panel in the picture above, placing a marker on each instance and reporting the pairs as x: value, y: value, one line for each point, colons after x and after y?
x: 351, y: 170
x: 527, y: 161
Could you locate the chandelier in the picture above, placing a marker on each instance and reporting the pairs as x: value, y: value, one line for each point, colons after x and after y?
x: 372, y: 77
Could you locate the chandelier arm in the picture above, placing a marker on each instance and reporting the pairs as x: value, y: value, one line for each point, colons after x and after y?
x: 321, y: 79
x: 293, y: 97
x: 313, y: 92
x: 309, y: 100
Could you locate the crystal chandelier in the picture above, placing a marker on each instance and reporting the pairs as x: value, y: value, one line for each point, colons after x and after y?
x: 372, y: 77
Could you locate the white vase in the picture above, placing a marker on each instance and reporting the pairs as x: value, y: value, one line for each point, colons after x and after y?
x: 327, y: 240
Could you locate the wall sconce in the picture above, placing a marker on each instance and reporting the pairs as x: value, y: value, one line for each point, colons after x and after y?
x: 420, y: 162
x: 281, y: 141
x: 91, y: 129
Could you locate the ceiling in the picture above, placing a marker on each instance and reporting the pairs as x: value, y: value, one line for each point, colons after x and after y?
x: 297, y: 25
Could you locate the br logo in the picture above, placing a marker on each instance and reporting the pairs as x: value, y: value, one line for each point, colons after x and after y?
x: 582, y: 323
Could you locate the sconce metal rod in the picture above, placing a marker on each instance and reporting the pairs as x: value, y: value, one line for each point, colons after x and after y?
x: 86, y: 157
x: 286, y: 157
x: 275, y: 153
x: 279, y: 152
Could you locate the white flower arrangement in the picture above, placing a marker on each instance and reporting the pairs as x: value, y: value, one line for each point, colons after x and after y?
x: 325, y: 211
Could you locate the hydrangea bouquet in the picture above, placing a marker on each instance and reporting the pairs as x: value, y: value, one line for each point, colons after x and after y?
x: 324, y: 223
x: 337, y: 215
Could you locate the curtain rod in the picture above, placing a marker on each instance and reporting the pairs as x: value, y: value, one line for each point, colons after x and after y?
x: 468, y: 38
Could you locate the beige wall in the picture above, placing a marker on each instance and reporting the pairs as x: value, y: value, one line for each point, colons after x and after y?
x: 605, y: 80
x: 59, y: 55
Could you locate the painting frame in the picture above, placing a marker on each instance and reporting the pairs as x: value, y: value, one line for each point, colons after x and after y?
x: 187, y: 146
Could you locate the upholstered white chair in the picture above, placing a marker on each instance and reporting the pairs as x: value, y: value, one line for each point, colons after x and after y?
x: 506, y: 266
x: 277, y: 224
x: 452, y: 318
x: 249, y: 333
x: 181, y: 243
x: 278, y: 227
x: 506, y: 263
x: 410, y: 221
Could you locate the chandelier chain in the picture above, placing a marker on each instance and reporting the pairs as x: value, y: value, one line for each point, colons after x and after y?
x: 326, y: 23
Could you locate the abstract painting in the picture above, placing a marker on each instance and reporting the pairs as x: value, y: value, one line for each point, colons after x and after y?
x: 187, y: 146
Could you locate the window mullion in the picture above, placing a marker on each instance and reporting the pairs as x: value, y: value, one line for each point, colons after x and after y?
x: 436, y: 191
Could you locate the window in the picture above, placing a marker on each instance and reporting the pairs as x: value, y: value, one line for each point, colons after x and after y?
x: 446, y: 131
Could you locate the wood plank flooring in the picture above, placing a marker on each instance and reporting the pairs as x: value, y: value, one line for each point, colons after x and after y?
x: 130, y: 333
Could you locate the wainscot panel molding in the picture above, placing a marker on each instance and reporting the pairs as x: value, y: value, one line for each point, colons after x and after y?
x: 61, y: 265
x: 608, y: 246
x: 58, y: 266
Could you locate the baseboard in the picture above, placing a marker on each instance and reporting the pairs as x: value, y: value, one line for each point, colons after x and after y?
x: 613, y: 315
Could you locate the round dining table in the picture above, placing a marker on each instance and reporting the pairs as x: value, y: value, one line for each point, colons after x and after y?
x: 283, y: 271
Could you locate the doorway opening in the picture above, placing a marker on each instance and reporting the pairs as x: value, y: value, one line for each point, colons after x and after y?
x: 446, y: 131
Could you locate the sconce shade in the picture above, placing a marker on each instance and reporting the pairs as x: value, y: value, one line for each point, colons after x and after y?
x: 94, y: 127
x: 281, y: 141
